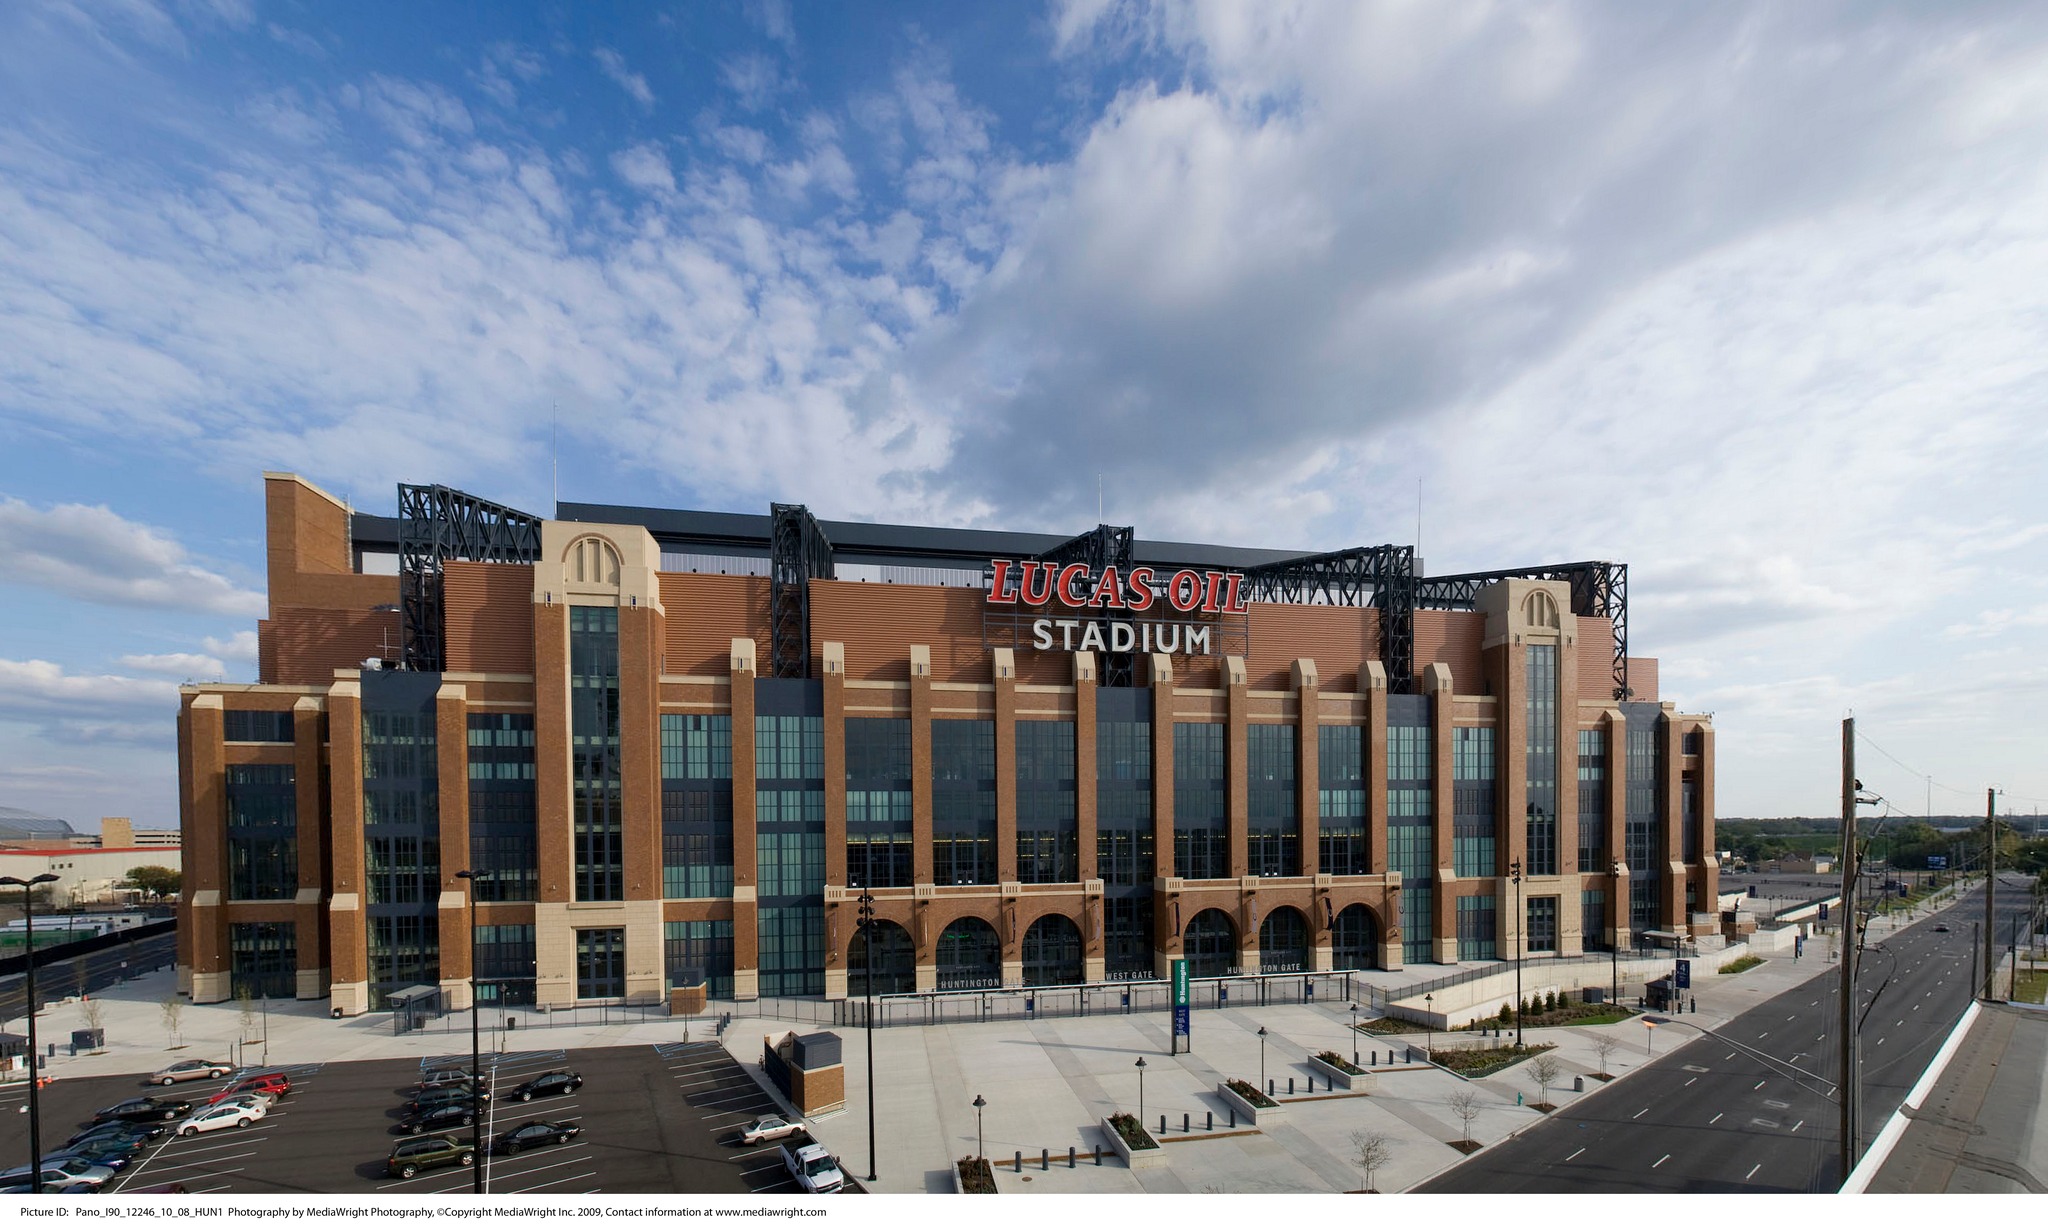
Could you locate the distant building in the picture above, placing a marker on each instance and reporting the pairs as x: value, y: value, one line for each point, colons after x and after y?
x: 85, y: 876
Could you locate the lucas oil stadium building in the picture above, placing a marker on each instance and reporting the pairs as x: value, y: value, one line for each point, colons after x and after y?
x: 678, y: 748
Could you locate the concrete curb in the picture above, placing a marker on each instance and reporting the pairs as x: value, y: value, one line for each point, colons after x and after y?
x: 1895, y: 1129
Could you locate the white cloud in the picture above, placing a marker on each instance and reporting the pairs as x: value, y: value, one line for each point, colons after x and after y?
x: 614, y: 66
x: 241, y: 646
x: 93, y: 554
x: 645, y: 167
x: 44, y: 688
x: 174, y: 664
x: 1991, y: 623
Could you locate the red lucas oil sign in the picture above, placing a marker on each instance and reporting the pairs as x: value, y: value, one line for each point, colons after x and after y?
x: 1086, y: 591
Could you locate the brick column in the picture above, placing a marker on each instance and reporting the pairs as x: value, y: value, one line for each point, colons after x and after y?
x: 451, y: 752
x: 1372, y: 679
x: 746, y: 918
x: 1166, y: 937
x: 1085, y: 685
x: 1437, y: 682
x: 1669, y: 743
x: 1307, y: 774
x: 1003, y: 670
x: 1616, y: 727
x: 832, y: 685
x: 348, y: 954
x: 1237, y: 765
x: 204, y: 891
x: 309, y: 917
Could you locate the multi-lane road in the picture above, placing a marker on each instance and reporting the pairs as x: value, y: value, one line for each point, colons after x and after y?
x: 1751, y: 1105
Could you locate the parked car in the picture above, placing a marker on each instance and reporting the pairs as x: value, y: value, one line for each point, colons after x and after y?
x: 220, y: 1117
x: 273, y: 1083
x: 108, y: 1153
x: 535, y: 1134
x: 60, y: 1174
x: 193, y: 1068
x: 254, y: 1100
x: 445, y: 1078
x: 416, y: 1155
x: 553, y: 1083
x: 435, y: 1097
x: 140, y: 1131
x: 443, y: 1117
x: 143, y: 1108
x: 1941, y: 929
x: 768, y: 1129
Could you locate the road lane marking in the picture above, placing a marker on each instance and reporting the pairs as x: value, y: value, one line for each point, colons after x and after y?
x: 1710, y: 1121
x: 1751, y: 1173
x: 1761, y: 1035
x: 1575, y: 1155
x: 1759, y: 1085
x: 1639, y: 1113
x: 1667, y: 1155
x: 1691, y: 1081
x: 1795, y: 1129
x: 1880, y: 1040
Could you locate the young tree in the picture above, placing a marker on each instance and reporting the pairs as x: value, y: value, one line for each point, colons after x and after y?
x: 1604, y: 1044
x: 1544, y: 1071
x: 245, y: 1000
x: 1507, y: 1014
x: 1371, y: 1150
x: 1465, y: 1107
x: 172, y: 1012
x: 155, y: 881
x: 94, y: 1014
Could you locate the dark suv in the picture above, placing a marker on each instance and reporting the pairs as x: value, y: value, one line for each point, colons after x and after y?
x: 416, y: 1155
x: 437, y: 1097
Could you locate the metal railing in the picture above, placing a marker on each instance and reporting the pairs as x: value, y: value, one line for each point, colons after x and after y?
x: 1026, y: 1003
x: 1385, y: 996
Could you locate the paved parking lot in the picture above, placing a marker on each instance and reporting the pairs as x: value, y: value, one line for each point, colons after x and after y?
x: 654, y: 1119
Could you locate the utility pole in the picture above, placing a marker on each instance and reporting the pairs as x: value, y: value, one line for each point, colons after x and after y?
x: 1848, y: 1080
x: 1990, y: 890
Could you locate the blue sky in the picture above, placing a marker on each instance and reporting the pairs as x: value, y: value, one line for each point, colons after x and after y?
x: 1750, y: 297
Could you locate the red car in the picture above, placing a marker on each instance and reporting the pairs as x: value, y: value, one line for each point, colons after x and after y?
x: 274, y: 1084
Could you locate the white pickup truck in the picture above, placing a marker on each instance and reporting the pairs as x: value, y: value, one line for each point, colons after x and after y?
x: 814, y: 1168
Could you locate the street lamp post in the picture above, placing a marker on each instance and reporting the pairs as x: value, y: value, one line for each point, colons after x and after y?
x: 1614, y: 943
x: 1429, y: 1028
x: 867, y: 935
x: 979, y: 1105
x: 1354, y: 1033
x: 1521, y: 919
x: 35, y: 1117
x: 1141, y: 1093
x: 1262, y: 1058
x: 476, y: 1009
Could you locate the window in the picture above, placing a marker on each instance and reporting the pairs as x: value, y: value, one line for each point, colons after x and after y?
x: 262, y: 832
x: 1478, y: 927
x: 1273, y: 830
x: 696, y: 806
x: 1123, y: 794
x: 1639, y: 823
x: 1689, y: 816
x: 598, y: 838
x: 1543, y: 923
x: 789, y: 813
x: 1540, y: 761
x: 699, y: 953
x: 1593, y: 855
x: 505, y: 964
x: 1340, y: 798
x: 1048, y: 832
x: 1201, y: 829
x: 878, y: 803
x: 601, y: 963
x: 1127, y: 937
x: 264, y: 958
x: 404, y: 950
x: 404, y: 869
x: 1052, y: 952
x: 963, y: 802
x: 1473, y: 845
x: 1593, y: 920
x: 503, y: 822
x: 1411, y: 833
x: 244, y: 726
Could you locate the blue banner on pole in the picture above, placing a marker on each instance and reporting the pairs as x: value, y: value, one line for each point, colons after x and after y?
x: 1685, y: 974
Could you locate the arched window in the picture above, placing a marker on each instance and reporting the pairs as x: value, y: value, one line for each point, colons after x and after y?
x: 1540, y: 610
x: 970, y: 956
x: 895, y: 961
x: 1210, y: 944
x: 1283, y: 941
x: 592, y: 560
x: 1052, y: 952
x: 1355, y: 939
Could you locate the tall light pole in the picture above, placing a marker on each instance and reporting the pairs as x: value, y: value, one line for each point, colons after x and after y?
x: 1262, y: 1059
x: 867, y: 937
x: 1429, y: 1027
x: 476, y: 1009
x: 1141, y: 1093
x: 1621, y: 889
x: 1354, y: 1033
x: 979, y: 1105
x: 35, y: 1117
x: 1521, y: 919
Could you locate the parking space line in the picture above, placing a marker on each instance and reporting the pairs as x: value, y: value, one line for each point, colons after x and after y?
x: 541, y: 1168
x: 171, y: 1168
x: 525, y: 1189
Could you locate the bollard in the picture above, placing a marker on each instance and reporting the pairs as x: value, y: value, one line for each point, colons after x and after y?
x: 1290, y: 1086
x: 1070, y: 1156
x: 1375, y: 1057
x: 1098, y: 1155
x: 1045, y: 1159
x: 1269, y: 1087
x: 1184, y: 1123
x: 1233, y: 1117
x: 1212, y: 1120
x: 1020, y: 1161
x: 1162, y: 1125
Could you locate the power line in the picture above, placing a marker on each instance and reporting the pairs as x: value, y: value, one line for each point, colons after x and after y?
x: 1928, y: 779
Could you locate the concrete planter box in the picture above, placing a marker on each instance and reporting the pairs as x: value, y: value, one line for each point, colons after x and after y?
x: 960, y: 1182
x: 1144, y: 1157
x: 1362, y: 1081
x: 1246, y: 1110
